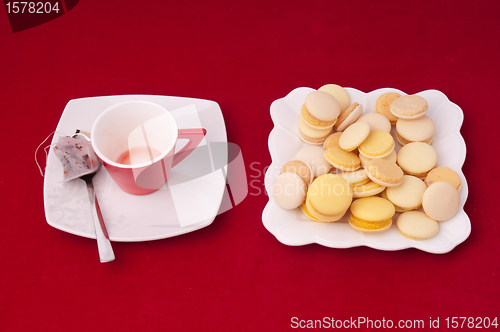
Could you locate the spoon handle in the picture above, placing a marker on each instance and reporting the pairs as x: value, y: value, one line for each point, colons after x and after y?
x: 106, y: 253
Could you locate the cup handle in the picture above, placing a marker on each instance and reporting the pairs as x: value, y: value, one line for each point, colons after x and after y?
x: 195, y: 136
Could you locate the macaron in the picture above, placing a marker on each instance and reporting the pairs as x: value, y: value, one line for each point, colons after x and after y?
x: 289, y: 190
x: 441, y: 201
x: 348, y: 117
x: 328, y: 198
x: 409, y: 107
x: 354, y: 135
x: 443, y: 174
x: 314, y: 157
x: 339, y: 93
x: 415, y: 130
x: 417, y: 159
x: 416, y: 225
x: 341, y: 159
x: 383, y: 105
x: 408, y: 195
x: 378, y: 144
x: 311, y: 135
x: 376, y: 121
x: 332, y: 140
x: 365, y: 160
x: 308, y: 214
x: 320, y: 110
x: 368, y: 189
x: 384, y: 172
x: 371, y: 214
x: 355, y: 178
x: 301, y: 168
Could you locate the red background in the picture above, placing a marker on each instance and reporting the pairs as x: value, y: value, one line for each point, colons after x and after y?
x: 234, y: 275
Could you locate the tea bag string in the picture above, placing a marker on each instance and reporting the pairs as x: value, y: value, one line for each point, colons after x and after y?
x: 46, y: 152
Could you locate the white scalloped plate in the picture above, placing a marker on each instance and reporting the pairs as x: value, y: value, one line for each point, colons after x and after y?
x: 292, y: 227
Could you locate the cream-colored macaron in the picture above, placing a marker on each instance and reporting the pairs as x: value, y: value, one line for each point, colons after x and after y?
x: 441, y: 201
x: 354, y: 135
x: 376, y: 121
x: 289, y: 190
x: 320, y: 110
x: 384, y: 172
x: 348, y: 117
x: 311, y: 135
x: 339, y: 93
x: 415, y: 130
x: 407, y: 196
x: 416, y: 225
x: 409, y: 107
x: 417, y: 159
x: 314, y: 157
x: 383, y: 105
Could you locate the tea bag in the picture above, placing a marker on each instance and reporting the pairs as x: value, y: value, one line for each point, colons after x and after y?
x: 77, y: 157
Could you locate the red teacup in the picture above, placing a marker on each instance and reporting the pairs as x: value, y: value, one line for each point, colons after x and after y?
x: 135, y: 141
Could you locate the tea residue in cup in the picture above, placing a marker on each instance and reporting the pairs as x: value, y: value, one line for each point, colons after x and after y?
x: 138, y: 155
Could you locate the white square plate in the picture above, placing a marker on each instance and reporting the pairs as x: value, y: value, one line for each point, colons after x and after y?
x: 292, y: 227
x: 184, y: 205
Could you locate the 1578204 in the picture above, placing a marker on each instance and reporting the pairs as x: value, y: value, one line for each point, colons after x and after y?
x: 471, y: 322
x: 22, y: 7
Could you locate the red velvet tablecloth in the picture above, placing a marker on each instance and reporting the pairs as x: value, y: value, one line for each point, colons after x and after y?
x: 234, y: 275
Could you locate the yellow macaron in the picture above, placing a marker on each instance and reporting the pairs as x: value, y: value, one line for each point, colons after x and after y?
x: 367, y: 189
x: 341, y: 159
x: 371, y: 214
x: 378, y: 144
x: 328, y: 198
x: 308, y: 214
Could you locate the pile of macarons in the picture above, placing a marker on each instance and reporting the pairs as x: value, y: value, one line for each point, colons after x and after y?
x: 350, y: 165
